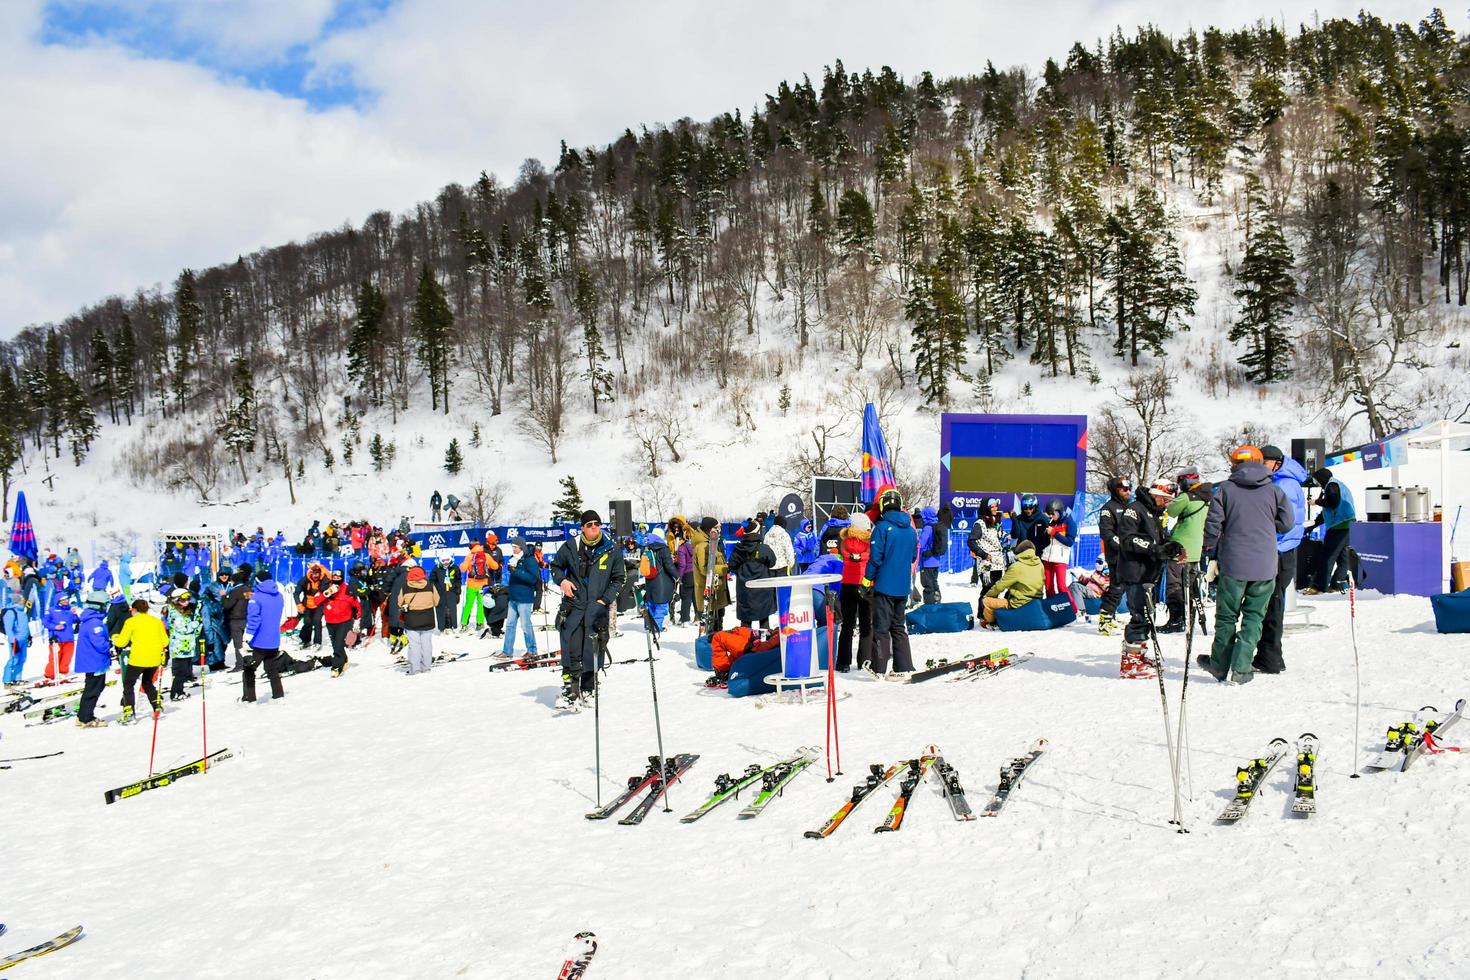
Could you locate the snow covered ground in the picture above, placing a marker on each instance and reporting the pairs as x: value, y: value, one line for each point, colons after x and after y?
x: 382, y: 825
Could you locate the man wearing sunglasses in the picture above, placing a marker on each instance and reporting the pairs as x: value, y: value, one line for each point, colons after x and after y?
x: 589, y: 571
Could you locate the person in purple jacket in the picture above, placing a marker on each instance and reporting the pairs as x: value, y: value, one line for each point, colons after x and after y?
x: 263, y: 636
x: 684, y: 563
x: 101, y: 578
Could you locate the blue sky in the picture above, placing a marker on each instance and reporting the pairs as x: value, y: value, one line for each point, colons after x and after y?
x: 185, y: 31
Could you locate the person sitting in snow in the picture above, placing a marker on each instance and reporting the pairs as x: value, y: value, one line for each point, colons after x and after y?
x: 728, y: 646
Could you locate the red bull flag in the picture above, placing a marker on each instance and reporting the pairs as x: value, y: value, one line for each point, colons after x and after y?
x: 22, y: 534
x: 877, y: 470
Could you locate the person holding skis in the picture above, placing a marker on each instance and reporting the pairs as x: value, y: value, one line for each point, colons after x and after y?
x: 589, y: 572
x: 525, y: 582
x: 94, y: 658
x: 146, y: 639
x: 711, y: 588
x: 1187, y: 513
x: 340, y: 612
x: 1109, y: 521
x: 1247, y: 513
x: 1143, y: 550
x: 888, y: 580
x: 854, y: 547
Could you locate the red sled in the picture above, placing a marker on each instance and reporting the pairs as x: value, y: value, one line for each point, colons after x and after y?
x: 290, y: 624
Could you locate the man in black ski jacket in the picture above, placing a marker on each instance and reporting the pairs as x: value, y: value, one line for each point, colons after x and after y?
x: 1143, y: 548
x: 1108, y: 522
x: 589, y: 570
x: 233, y: 607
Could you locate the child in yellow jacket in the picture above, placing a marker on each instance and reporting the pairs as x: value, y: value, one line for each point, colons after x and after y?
x: 146, y: 638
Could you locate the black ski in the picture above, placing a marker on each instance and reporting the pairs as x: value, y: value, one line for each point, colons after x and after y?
x: 168, y: 778
x: 580, y: 957
x: 938, y: 668
x: 1011, y: 775
x: 989, y: 668
x: 949, y: 779
x: 635, y: 785
x: 1249, y: 779
x: 25, y: 758
x: 1305, y: 802
x: 677, y: 766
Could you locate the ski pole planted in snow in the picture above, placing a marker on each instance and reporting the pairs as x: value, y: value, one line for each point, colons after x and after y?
x: 650, y: 631
x: 832, y: 734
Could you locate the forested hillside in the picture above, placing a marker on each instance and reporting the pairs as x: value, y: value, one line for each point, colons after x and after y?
x: 927, y: 235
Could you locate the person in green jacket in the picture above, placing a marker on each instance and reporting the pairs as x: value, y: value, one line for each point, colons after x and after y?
x: 1021, y: 583
x: 1187, y: 513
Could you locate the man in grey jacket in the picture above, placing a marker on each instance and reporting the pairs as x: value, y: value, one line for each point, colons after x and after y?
x: 1247, y: 513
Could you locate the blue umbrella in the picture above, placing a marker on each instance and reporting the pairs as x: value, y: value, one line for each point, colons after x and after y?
x: 22, y: 534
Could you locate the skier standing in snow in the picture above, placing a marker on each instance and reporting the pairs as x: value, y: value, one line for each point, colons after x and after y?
x: 709, y: 603
x: 751, y: 561
x: 659, y: 574
x: 309, y: 599
x: 61, y: 629
x: 1109, y: 521
x: 1337, y: 515
x: 146, y: 639
x: 234, y: 606
x: 589, y: 571
x: 525, y: 582
x: 985, y: 545
x: 94, y: 658
x: 477, y: 572
x: 857, y: 609
x: 683, y: 550
x: 1188, y: 512
x: 1247, y: 512
x: 933, y: 547
x: 263, y: 636
x: 1143, y: 549
x: 449, y: 580
x: 1030, y: 524
x: 340, y: 611
x: 416, y: 602
x: 184, y: 637
x: 1056, y: 554
x: 888, y: 581
x: 1289, y: 475
x: 435, y: 503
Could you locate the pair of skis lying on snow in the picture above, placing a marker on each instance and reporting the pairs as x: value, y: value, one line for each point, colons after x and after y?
x: 913, y: 772
x: 773, y: 779
x: 1404, y: 745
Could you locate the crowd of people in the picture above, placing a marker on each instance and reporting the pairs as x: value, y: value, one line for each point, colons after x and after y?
x: 1234, y: 542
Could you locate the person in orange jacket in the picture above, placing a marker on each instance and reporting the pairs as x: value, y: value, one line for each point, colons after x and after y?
x: 478, y: 570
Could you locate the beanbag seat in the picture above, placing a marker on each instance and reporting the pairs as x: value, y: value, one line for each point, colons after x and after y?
x: 941, y: 617
x: 1039, y: 614
x: 1452, y: 611
x: 748, y: 674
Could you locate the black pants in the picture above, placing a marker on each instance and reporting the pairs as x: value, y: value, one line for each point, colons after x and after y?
x: 582, y: 649
x: 1141, y: 597
x: 1268, y: 656
x: 1114, y: 593
x: 1329, y: 557
x: 686, y: 596
x: 133, y: 675
x: 274, y: 661
x: 182, y: 669
x: 764, y: 624
x: 890, y: 634
x: 974, y: 569
x: 929, y: 584
x: 311, y: 627
x: 857, y: 614
x: 92, y: 689
x: 337, y: 632
x: 447, y: 612
x: 237, y: 636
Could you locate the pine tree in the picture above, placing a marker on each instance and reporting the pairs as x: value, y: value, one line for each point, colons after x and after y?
x: 104, y: 387
x: 377, y: 452
x: 453, y: 458
x: 125, y: 360
x: 48, y: 390
x: 856, y: 226
x: 365, y: 346
x: 1266, y: 291
x: 568, y: 510
x: 939, y: 333
x: 784, y: 401
x: 237, y: 424
x: 188, y: 319
x: 432, y: 323
x: 81, y: 420
x: 347, y: 449
x: 475, y: 440
x: 599, y: 378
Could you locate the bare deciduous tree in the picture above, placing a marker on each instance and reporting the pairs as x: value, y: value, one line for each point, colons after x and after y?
x: 862, y: 308
x: 1137, y: 435
x: 484, y: 501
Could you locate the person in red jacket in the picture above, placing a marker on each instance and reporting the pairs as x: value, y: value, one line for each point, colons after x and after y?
x: 340, y: 611
x: 853, y: 544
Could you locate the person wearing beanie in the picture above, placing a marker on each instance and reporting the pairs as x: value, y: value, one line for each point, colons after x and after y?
x: 1247, y: 513
x: 854, y: 544
x: 711, y: 584
x: 495, y: 616
x: 1144, y: 549
x: 418, y: 603
x: 1290, y: 476
x: 1022, y: 582
x: 751, y: 561
x: 263, y: 635
x: 1329, y: 573
x: 985, y: 545
x: 889, y: 579
x: 1109, y: 524
x: 449, y: 580
x: 589, y: 571
x: 1187, y: 513
x: 659, y: 572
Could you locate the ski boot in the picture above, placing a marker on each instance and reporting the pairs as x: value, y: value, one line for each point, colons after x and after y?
x: 128, y: 716
x: 1135, y: 663
x: 719, y: 681
x: 94, y: 723
x: 1107, y: 624
x: 180, y: 696
x: 570, y: 698
x: 1306, y: 783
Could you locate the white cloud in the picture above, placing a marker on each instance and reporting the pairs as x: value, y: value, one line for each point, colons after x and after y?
x: 119, y: 171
